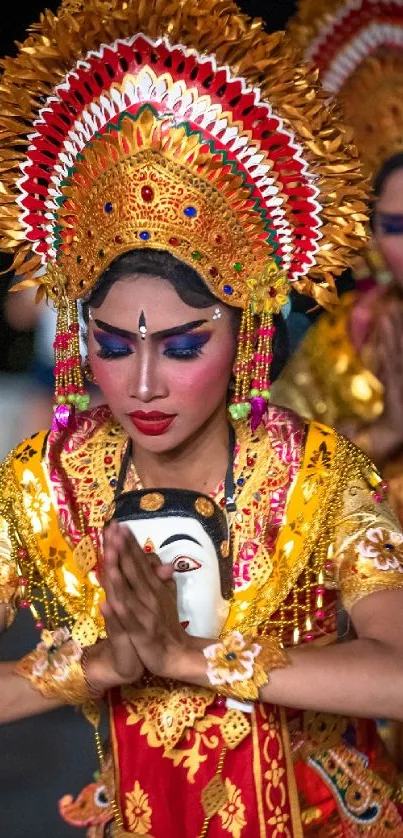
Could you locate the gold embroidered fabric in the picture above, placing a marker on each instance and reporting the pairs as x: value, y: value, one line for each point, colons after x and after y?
x: 368, y: 549
x: 166, y: 713
x: 326, y: 379
x: 8, y: 570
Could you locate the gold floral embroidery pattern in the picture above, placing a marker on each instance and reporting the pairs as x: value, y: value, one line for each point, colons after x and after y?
x: 274, y: 775
x: 8, y: 569
x: 318, y: 470
x: 165, y: 714
x: 138, y: 810
x: 36, y: 503
x: 233, y: 813
x: 234, y: 727
x: 279, y: 821
x: 189, y: 753
x: 369, y: 548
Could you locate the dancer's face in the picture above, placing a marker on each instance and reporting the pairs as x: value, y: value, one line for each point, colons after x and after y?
x: 389, y: 224
x: 163, y: 366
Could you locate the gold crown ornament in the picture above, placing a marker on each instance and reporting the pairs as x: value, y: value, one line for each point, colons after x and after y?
x: 181, y: 127
x: 357, y: 45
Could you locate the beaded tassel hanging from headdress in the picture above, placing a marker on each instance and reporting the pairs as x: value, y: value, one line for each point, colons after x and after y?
x: 252, y: 368
x: 255, y: 346
x: 69, y: 383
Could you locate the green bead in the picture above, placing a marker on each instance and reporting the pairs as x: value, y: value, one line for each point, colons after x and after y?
x: 246, y: 409
x: 233, y: 410
x: 83, y: 402
x: 266, y: 394
x: 71, y: 398
x: 254, y: 393
x: 238, y: 266
x: 196, y: 255
x: 61, y: 399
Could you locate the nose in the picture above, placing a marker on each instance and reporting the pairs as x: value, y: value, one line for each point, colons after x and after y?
x: 146, y: 382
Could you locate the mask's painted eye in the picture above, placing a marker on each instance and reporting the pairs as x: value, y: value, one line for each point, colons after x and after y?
x: 101, y: 797
x: 183, y: 564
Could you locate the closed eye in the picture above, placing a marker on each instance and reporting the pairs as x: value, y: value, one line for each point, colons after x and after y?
x: 186, y: 347
x: 111, y: 346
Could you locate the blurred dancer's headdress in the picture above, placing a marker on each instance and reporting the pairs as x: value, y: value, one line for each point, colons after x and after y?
x: 181, y: 126
x: 358, y: 47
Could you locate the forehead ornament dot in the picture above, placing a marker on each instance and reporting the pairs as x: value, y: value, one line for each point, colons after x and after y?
x: 217, y: 314
x: 142, y: 326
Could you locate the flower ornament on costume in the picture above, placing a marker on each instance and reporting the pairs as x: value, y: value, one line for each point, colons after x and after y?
x: 180, y: 127
x: 230, y: 661
x: 357, y: 46
x: 55, y: 652
x: 384, y: 548
x: 238, y: 666
x: 54, y: 668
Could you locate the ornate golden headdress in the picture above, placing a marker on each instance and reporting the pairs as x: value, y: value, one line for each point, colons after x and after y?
x: 358, y: 47
x: 180, y: 126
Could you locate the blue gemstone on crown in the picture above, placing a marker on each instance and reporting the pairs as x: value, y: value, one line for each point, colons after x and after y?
x: 190, y: 212
x: 145, y: 235
x: 227, y: 289
x: 108, y: 207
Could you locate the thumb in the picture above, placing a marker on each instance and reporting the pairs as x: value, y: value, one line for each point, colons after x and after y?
x: 164, y: 572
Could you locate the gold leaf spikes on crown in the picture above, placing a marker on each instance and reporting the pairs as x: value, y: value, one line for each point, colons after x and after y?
x: 143, y: 185
x: 200, y: 134
x: 358, y: 47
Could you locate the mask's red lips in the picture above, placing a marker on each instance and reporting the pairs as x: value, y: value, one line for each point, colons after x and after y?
x: 185, y: 624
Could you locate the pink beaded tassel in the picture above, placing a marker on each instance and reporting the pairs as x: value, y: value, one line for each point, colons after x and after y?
x: 69, y: 383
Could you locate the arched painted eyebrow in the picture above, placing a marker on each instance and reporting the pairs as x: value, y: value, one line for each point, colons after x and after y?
x: 180, y: 537
x: 165, y: 333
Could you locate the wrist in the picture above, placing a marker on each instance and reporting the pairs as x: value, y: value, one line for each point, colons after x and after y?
x: 98, y: 669
x: 188, y: 664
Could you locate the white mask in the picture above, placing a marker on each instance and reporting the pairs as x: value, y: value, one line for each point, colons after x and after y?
x: 184, y: 543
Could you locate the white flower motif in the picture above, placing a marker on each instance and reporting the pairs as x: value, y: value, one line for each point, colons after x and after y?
x: 36, y: 503
x: 383, y: 547
x: 232, y: 660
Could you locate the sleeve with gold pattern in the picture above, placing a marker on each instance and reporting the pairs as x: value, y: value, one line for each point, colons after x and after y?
x: 325, y: 379
x: 8, y: 573
x: 368, y: 546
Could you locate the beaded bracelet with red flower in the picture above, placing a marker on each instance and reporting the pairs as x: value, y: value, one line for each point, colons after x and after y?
x: 55, y: 668
x: 238, y: 666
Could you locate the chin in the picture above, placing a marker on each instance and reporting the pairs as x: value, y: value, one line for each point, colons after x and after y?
x: 161, y: 444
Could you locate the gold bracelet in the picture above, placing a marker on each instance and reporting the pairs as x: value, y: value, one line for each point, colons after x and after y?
x: 54, y: 668
x: 238, y: 666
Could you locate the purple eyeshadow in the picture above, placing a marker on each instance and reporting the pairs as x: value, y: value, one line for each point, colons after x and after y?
x: 391, y: 223
x: 187, y: 342
x: 111, y: 342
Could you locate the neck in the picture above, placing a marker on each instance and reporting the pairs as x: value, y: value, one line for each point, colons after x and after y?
x: 199, y: 464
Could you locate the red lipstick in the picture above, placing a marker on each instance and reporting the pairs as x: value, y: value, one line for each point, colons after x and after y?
x: 153, y: 422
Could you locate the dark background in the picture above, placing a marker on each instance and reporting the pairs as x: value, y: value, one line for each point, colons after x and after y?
x: 45, y: 757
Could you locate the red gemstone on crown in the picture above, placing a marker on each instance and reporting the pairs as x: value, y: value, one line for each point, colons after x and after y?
x: 118, y: 240
x: 174, y: 241
x: 147, y: 194
x: 272, y: 292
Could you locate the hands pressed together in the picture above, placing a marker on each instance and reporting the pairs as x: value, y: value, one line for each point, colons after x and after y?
x: 141, y: 616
